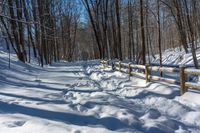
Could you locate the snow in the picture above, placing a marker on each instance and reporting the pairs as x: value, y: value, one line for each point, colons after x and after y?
x: 177, y: 56
x: 81, y: 97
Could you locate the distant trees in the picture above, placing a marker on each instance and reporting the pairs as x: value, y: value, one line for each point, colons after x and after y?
x: 135, y: 30
x: 160, y: 25
x: 106, y: 24
x: 46, y: 28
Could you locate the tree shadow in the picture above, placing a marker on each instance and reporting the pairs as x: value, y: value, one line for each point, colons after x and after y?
x: 110, y: 123
x: 33, y: 98
x: 32, y: 84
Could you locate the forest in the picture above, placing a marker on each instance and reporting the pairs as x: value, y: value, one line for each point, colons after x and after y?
x: 99, y: 66
x: 134, y: 30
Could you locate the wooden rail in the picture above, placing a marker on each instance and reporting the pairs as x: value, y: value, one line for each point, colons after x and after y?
x: 183, y: 71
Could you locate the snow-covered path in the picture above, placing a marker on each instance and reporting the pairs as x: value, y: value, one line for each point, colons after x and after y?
x: 83, y: 98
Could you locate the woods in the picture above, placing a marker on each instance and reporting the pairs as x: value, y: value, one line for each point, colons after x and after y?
x: 99, y: 66
x: 44, y: 28
x: 134, y: 30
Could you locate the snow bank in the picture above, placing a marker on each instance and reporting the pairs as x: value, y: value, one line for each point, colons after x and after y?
x: 178, y: 56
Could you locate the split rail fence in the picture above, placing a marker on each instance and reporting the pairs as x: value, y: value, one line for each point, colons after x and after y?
x: 145, y: 72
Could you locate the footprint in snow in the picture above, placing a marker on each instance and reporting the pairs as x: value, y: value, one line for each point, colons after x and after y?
x: 27, y: 102
x: 89, y: 105
x: 77, y: 131
x: 12, y: 124
x: 81, y: 108
x: 80, y: 78
x: 14, y: 102
x: 152, y: 114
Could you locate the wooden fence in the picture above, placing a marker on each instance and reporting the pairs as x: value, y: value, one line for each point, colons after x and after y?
x: 145, y: 73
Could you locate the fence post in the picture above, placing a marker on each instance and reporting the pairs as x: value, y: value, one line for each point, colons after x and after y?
x: 186, y: 88
x: 120, y: 66
x: 130, y: 69
x: 146, y: 73
x: 182, y: 80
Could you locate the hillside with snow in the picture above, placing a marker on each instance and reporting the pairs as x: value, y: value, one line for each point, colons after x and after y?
x: 177, y: 56
x: 81, y: 97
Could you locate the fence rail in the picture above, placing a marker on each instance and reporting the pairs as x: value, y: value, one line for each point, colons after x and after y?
x: 146, y: 74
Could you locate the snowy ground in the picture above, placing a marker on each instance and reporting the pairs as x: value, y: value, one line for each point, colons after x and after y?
x: 177, y: 56
x: 83, y: 98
